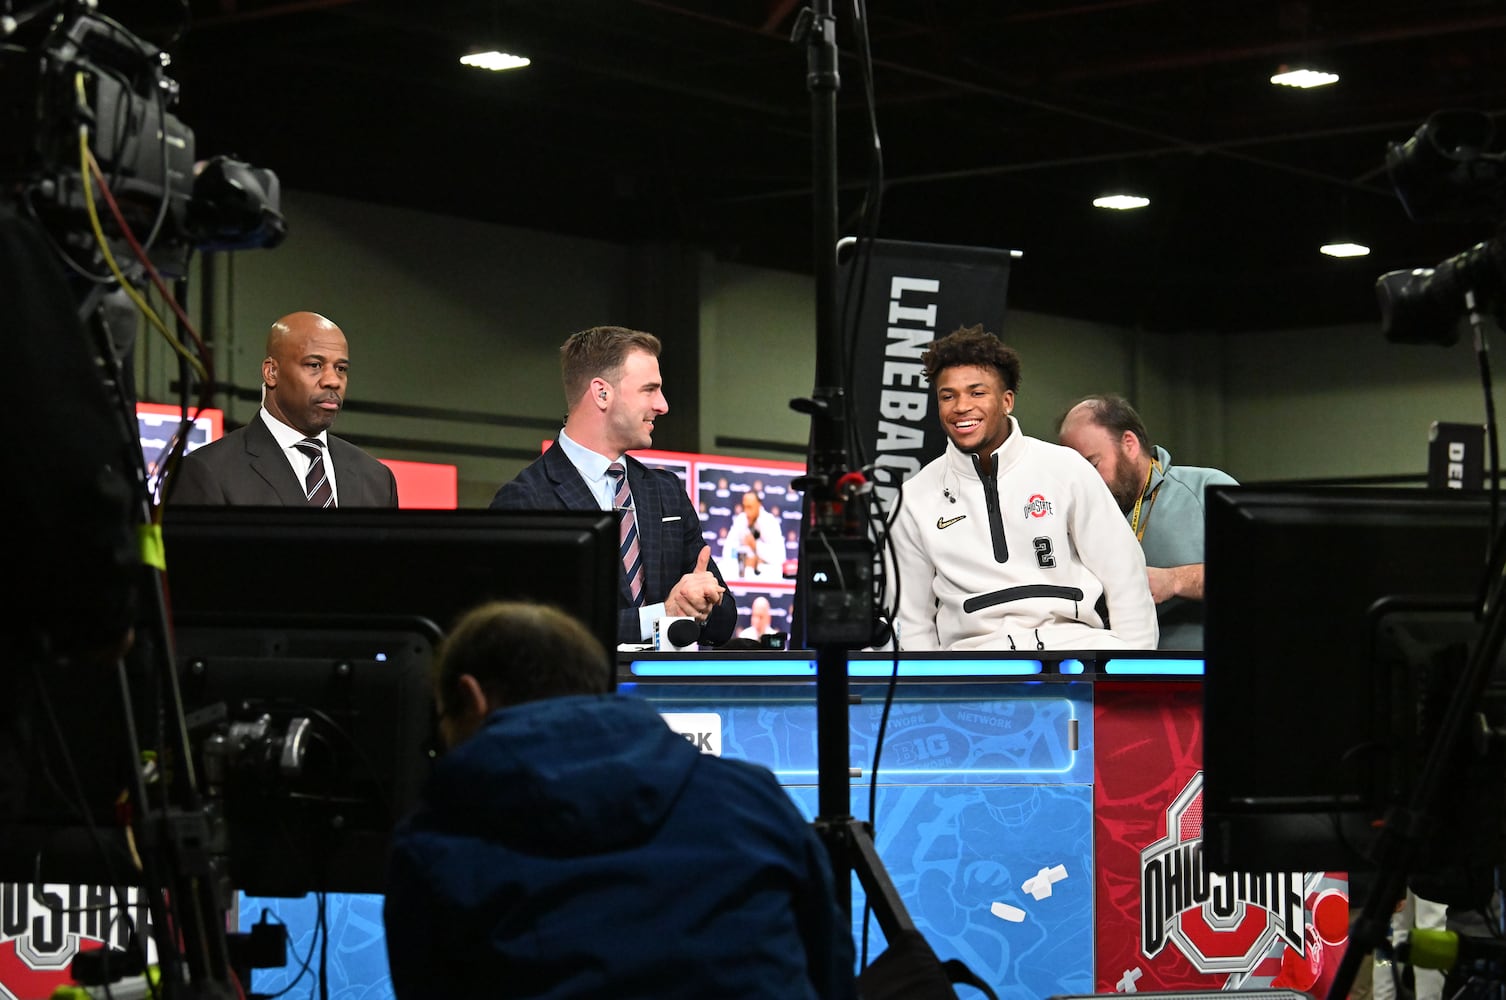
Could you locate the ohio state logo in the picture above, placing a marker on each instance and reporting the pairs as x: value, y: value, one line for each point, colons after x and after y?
x: 1221, y: 923
x: 1038, y: 506
x: 43, y: 927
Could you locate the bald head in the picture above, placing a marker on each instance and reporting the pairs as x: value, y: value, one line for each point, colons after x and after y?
x: 305, y: 371
x: 761, y: 614
x: 1108, y: 432
x: 295, y: 325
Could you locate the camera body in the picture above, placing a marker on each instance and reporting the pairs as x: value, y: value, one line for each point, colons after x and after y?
x: 1423, y: 305
x: 1445, y: 172
x: 84, y: 81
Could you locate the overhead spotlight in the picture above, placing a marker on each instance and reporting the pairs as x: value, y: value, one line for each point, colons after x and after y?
x: 1344, y: 249
x: 1303, y: 78
x: 494, y: 60
x: 1121, y: 202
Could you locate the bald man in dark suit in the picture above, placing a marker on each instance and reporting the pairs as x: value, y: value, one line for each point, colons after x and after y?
x: 266, y: 463
x: 614, y: 393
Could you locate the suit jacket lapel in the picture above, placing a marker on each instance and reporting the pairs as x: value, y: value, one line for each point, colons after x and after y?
x: 350, y: 486
x: 573, y: 494
x: 569, y: 487
x: 267, y: 461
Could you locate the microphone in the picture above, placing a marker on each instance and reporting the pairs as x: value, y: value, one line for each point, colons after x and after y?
x: 682, y: 632
x: 1445, y: 950
x: 676, y: 634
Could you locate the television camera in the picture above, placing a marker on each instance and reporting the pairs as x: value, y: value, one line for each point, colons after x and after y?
x: 1445, y: 172
x: 77, y: 86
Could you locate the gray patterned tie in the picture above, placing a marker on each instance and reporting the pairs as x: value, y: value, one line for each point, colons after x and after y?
x: 316, y: 485
x: 632, y: 556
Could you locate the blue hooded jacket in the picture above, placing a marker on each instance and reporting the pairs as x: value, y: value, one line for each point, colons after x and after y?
x: 578, y: 847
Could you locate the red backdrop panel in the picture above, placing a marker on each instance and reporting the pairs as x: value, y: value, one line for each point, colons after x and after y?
x: 1162, y: 922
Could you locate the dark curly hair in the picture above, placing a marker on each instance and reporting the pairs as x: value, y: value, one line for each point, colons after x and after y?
x: 972, y: 345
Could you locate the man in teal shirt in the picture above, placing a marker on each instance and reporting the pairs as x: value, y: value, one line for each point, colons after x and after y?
x: 1162, y: 502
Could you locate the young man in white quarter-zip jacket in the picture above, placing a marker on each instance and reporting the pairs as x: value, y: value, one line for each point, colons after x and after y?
x: 1006, y: 541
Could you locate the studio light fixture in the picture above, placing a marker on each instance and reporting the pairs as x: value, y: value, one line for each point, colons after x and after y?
x: 494, y: 60
x: 1121, y: 202
x: 1344, y: 249
x: 1303, y: 77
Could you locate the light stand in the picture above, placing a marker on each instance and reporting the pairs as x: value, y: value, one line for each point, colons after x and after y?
x: 835, y: 607
x: 837, y: 556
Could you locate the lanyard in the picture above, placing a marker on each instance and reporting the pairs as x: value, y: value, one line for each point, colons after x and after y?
x: 1135, y: 524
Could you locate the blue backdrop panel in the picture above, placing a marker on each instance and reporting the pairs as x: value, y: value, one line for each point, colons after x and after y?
x: 985, y: 793
x: 965, y: 859
x: 357, y: 954
x: 937, y: 733
x: 979, y: 733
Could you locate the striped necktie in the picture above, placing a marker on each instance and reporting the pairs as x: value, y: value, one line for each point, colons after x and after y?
x: 316, y: 485
x: 632, y: 556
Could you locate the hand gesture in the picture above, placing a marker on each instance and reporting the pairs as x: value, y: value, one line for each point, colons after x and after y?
x: 696, y: 593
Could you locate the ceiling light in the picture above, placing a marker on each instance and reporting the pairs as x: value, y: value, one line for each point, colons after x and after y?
x: 1344, y: 249
x: 1121, y: 202
x: 494, y: 60
x: 1303, y: 78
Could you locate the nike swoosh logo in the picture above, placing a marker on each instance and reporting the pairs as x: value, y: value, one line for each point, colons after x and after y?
x: 948, y: 522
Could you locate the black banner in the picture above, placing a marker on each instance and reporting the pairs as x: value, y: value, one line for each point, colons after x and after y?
x: 911, y: 293
x: 1456, y: 456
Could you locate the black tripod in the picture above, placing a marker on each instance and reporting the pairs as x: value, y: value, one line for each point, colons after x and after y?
x: 836, y: 606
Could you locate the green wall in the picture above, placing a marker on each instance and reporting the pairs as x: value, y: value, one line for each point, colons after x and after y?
x: 465, y: 318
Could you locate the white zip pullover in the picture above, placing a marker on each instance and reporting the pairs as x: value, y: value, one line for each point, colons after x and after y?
x: 1019, y: 561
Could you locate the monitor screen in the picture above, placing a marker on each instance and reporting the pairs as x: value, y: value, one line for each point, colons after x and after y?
x: 434, y: 564
x: 1299, y: 736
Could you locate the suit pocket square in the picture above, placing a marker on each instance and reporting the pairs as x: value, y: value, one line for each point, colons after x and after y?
x: 672, y: 517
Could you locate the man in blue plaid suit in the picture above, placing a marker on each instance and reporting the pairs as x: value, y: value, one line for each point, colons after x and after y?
x: 614, y: 394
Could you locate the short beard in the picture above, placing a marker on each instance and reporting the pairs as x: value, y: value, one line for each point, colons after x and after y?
x: 1127, y: 484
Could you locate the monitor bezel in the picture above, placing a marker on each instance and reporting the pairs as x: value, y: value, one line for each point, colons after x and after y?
x: 1291, y: 695
x: 434, y: 564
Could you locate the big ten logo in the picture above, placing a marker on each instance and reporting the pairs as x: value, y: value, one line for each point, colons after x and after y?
x: 992, y: 718
x: 703, y: 730
x: 927, y: 747
x: 46, y: 923
x: 903, y: 716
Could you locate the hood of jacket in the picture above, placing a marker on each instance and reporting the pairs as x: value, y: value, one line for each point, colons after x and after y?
x: 563, y: 776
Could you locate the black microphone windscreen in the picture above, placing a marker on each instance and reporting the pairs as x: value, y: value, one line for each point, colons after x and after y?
x: 682, y: 632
